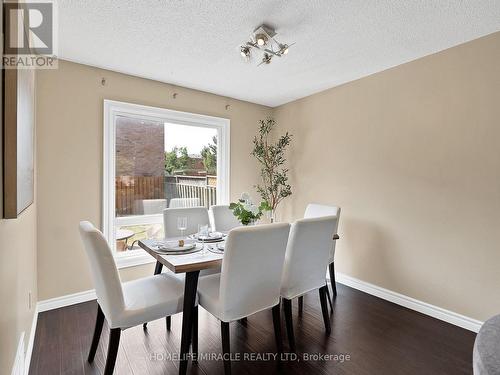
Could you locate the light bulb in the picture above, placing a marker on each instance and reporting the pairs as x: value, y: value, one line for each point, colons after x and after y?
x: 283, y: 49
x: 261, y: 39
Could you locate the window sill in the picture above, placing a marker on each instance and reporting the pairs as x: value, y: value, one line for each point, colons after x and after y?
x: 133, y: 258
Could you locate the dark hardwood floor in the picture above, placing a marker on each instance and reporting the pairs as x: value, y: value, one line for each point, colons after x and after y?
x: 378, y: 336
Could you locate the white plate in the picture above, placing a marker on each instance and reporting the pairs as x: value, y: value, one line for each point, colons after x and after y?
x: 216, y: 249
x: 214, y: 236
x: 174, y: 246
x: 193, y: 249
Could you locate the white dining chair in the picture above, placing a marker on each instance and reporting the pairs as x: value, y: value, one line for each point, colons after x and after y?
x: 249, y: 281
x: 183, y: 202
x: 222, y: 218
x: 194, y: 216
x: 128, y: 304
x: 307, y: 252
x: 320, y: 210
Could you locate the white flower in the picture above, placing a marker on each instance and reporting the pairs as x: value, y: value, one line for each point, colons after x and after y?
x: 250, y: 207
x: 254, y: 209
x: 245, y: 197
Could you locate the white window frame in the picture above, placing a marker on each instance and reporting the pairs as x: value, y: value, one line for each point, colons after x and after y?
x: 112, y: 109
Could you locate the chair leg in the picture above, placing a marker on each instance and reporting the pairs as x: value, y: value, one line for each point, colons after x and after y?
x: 226, y: 349
x: 277, y: 330
x: 169, y: 323
x: 324, y: 308
x: 329, y: 298
x: 194, y: 342
x: 331, y: 269
x: 301, y: 304
x: 114, y: 343
x: 158, y: 268
x: 287, y: 305
x: 97, y: 334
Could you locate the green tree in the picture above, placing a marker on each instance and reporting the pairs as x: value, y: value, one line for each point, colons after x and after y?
x: 209, y: 156
x: 271, y: 156
x: 176, y: 159
x: 184, y: 159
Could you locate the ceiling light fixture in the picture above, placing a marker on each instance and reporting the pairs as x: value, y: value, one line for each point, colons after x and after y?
x: 263, y: 40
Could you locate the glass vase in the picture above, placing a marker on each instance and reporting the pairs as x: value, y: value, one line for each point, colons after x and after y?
x: 271, y: 214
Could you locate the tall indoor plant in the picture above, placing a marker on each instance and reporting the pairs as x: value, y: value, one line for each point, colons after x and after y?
x: 271, y: 155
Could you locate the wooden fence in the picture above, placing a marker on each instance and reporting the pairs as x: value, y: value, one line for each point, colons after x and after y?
x: 130, y: 189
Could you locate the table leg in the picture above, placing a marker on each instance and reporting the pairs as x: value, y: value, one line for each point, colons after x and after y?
x: 190, y: 288
x: 158, y: 268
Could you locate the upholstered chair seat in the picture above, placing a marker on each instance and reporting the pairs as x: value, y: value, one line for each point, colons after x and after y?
x: 150, y: 298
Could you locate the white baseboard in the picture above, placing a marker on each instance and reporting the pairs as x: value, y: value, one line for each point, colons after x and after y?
x: 18, y: 367
x: 410, y: 303
x: 377, y: 291
x: 67, y: 300
x: 29, y: 349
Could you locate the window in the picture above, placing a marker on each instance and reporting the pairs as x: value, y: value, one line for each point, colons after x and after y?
x: 156, y: 158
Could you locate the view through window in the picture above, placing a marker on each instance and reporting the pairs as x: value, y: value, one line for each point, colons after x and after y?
x: 159, y: 165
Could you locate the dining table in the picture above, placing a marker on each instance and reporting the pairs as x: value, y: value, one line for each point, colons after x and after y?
x: 191, y: 264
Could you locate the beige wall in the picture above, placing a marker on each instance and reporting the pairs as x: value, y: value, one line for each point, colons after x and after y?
x: 412, y: 155
x: 69, y: 141
x: 17, y: 273
x: 17, y: 280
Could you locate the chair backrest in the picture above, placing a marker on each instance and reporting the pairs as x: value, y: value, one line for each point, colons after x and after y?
x: 251, y: 269
x: 195, y: 216
x: 307, y: 255
x: 105, y: 275
x: 320, y: 210
x: 184, y: 202
x: 222, y: 218
x: 150, y: 206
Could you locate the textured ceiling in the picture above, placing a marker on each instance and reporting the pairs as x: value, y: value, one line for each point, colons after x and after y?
x: 195, y: 43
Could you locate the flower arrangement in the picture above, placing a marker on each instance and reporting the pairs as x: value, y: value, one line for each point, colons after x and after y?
x: 246, y: 211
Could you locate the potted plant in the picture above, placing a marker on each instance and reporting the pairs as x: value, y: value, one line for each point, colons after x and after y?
x: 271, y: 155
